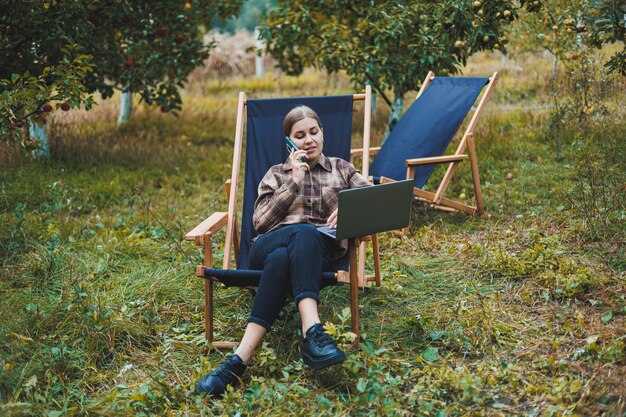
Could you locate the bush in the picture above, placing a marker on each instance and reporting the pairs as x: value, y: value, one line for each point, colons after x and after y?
x: 541, y: 260
x: 599, y: 194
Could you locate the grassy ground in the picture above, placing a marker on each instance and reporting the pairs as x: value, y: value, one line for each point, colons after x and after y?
x: 520, y: 312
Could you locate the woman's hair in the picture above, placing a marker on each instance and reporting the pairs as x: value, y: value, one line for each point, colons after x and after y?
x: 296, y: 114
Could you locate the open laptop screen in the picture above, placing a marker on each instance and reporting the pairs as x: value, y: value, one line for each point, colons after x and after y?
x: 368, y: 210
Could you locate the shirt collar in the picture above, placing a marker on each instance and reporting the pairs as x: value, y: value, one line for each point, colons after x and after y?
x: 322, y: 162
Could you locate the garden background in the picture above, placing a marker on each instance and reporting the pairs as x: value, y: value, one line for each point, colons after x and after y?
x: 518, y: 312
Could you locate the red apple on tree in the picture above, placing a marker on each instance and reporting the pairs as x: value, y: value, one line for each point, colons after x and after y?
x: 161, y: 31
x: 47, y: 108
x: 65, y: 106
x: 129, y: 63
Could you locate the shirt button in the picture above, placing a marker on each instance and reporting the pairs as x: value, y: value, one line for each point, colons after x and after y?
x: 308, y: 201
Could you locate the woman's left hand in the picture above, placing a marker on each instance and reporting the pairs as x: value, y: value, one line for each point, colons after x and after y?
x: 332, y: 219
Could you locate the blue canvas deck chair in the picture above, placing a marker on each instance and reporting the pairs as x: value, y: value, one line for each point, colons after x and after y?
x: 264, y: 148
x: 422, y: 135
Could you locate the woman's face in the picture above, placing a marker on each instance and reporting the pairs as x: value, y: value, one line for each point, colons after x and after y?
x: 308, y: 135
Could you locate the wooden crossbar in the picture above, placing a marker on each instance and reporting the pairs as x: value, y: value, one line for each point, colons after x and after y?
x: 355, y: 97
x: 435, y: 160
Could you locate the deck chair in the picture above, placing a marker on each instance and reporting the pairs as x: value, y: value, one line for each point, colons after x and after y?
x: 264, y: 148
x: 419, y: 140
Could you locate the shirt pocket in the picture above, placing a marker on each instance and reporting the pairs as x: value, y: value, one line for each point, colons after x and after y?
x: 330, y: 199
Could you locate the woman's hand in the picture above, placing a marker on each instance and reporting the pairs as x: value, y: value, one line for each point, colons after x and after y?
x: 332, y: 219
x: 298, y: 168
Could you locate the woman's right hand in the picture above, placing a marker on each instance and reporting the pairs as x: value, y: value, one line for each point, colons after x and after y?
x: 298, y: 168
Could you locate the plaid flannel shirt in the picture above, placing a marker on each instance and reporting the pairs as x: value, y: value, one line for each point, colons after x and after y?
x: 282, y: 201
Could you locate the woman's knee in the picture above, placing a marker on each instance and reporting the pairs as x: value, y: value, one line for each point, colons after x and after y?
x: 279, y: 256
x: 276, y: 265
x: 307, y: 233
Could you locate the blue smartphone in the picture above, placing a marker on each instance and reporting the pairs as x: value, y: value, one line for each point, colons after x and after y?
x: 292, y: 147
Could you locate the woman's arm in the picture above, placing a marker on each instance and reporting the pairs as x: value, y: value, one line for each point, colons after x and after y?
x: 354, y: 178
x: 277, y: 191
x: 272, y: 204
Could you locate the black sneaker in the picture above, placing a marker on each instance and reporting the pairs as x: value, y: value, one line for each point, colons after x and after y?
x: 319, y: 351
x: 228, y: 373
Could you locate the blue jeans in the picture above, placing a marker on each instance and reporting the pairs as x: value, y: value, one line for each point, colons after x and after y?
x: 292, y: 259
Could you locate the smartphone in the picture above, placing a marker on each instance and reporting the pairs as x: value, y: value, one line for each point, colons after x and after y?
x: 292, y: 147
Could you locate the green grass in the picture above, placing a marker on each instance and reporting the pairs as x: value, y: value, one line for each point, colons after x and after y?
x: 520, y: 312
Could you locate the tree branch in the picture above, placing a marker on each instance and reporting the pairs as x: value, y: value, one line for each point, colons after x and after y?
x: 378, y: 90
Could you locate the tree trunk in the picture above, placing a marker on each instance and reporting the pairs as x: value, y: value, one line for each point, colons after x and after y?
x: 394, y: 114
x: 259, y: 67
x: 38, y: 133
x: 126, y: 106
x: 505, y: 60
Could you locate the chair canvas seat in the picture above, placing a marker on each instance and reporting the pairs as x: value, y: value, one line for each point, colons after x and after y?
x: 427, y: 127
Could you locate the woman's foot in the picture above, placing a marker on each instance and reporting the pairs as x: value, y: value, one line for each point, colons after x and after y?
x: 319, y: 351
x: 228, y: 373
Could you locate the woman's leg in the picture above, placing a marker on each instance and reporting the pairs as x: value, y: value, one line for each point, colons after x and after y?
x: 269, y: 300
x: 271, y: 295
x: 251, y: 338
x: 308, y: 313
x: 308, y: 256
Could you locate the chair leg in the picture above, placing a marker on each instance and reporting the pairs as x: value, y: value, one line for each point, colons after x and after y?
x: 361, y: 265
x: 354, y: 296
x: 375, y: 249
x: 208, y: 310
x: 471, y: 150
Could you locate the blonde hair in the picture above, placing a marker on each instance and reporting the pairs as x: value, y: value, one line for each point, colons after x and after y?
x: 296, y: 114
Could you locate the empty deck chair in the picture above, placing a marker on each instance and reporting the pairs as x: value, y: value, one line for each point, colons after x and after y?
x: 421, y: 137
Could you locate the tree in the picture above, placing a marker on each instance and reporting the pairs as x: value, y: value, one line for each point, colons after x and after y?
x: 143, y: 47
x: 608, y: 25
x: 388, y: 44
x: 25, y: 98
x: 557, y: 27
x: 567, y: 29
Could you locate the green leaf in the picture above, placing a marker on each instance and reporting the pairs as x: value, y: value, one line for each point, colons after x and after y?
x: 607, y: 316
x: 430, y: 354
x: 361, y: 385
x: 436, y: 334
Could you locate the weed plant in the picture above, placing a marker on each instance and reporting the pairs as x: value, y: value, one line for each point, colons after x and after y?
x: 520, y: 312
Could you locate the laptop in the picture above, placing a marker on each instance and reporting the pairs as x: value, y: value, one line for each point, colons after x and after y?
x: 368, y: 210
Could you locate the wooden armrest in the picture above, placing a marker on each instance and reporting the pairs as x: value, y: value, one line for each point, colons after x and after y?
x: 435, y: 160
x: 359, y: 151
x: 212, y: 224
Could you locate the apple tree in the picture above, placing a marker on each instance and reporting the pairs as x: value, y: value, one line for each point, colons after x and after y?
x: 148, y: 48
x: 608, y: 25
x: 567, y: 29
x: 388, y: 44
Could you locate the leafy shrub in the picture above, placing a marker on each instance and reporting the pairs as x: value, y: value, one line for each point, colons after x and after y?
x: 544, y: 262
x: 599, y: 192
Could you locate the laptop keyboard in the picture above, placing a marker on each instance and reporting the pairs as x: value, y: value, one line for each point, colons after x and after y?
x: 328, y: 231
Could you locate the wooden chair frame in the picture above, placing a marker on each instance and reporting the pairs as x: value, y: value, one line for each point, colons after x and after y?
x: 437, y: 199
x: 203, y: 233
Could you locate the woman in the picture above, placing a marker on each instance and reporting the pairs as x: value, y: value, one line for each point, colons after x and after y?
x: 294, y: 198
